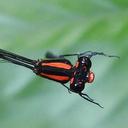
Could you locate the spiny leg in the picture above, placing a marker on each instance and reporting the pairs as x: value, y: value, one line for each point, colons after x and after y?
x: 91, y: 101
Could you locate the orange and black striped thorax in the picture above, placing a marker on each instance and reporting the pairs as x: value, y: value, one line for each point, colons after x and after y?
x: 59, y: 70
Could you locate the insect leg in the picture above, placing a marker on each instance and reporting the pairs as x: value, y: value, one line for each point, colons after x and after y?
x: 69, y: 90
x: 87, y: 53
x: 84, y: 94
x: 90, y: 100
x: 51, y: 55
x: 69, y: 55
x: 90, y: 54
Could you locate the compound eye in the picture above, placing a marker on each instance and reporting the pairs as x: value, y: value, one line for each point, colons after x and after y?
x: 91, y: 77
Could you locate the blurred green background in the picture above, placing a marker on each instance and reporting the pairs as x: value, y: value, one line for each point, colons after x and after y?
x: 32, y: 27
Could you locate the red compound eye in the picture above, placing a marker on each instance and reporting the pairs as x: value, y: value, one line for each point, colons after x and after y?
x: 91, y: 77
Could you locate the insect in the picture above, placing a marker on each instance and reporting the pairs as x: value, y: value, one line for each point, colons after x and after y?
x: 60, y: 69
